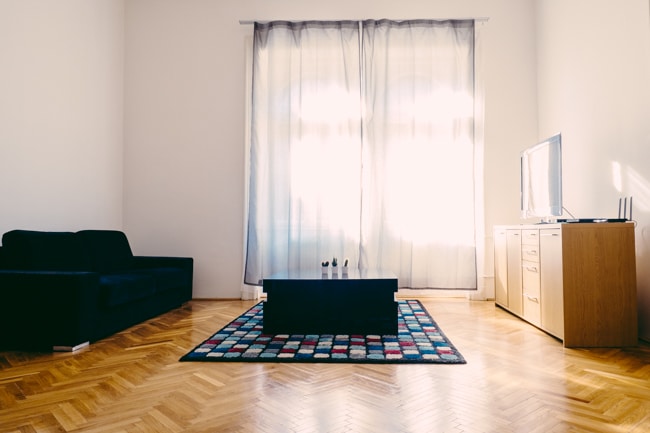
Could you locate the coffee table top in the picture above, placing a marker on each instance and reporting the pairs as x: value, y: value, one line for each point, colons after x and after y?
x: 332, y: 274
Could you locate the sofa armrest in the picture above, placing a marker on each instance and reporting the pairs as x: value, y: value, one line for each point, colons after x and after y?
x: 143, y: 262
x: 184, y: 263
x: 41, y: 309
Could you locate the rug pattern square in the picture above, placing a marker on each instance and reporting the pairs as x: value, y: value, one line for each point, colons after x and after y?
x: 419, y: 340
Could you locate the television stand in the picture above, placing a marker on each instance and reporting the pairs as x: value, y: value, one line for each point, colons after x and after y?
x: 577, y: 282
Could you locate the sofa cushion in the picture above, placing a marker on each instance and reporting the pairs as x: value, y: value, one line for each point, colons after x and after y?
x: 107, y: 250
x: 45, y: 251
x: 123, y: 288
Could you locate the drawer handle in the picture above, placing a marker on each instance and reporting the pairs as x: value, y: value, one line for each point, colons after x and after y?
x: 550, y: 234
x: 532, y: 298
x: 531, y: 268
x: 532, y: 252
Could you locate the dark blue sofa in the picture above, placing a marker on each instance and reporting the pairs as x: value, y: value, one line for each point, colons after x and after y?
x: 63, y: 289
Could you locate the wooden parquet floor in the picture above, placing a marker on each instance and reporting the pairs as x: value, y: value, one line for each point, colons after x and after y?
x: 517, y: 379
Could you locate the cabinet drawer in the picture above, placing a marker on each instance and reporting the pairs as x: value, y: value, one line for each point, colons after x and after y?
x: 531, y: 292
x: 532, y: 309
x: 530, y: 278
x: 530, y: 253
x: 530, y: 237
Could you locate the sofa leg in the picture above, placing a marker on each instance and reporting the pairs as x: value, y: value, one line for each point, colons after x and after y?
x: 71, y: 348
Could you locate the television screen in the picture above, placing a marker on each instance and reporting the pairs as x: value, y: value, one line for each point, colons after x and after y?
x: 541, y: 179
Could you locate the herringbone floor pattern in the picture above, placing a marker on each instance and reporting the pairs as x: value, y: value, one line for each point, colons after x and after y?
x: 517, y: 379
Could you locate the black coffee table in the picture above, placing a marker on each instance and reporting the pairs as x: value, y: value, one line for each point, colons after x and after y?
x: 361, y: 302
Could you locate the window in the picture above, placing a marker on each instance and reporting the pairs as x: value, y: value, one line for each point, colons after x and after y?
x: 363, y: 147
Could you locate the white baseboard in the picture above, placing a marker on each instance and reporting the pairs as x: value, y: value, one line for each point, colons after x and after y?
x: 71, y: 348
x: 250, y: 292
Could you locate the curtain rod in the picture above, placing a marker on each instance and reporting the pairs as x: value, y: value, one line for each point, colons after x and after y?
x: 479, y: 19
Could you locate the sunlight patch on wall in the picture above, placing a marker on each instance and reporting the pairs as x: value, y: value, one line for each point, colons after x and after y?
x: 627, y: 180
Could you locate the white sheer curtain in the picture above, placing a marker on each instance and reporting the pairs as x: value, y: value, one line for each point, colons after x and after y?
x: 418, y: 141
x: 363, y: 146
x: 305, y: 170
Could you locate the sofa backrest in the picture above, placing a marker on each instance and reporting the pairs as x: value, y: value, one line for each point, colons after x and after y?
x: 86, y: 250
x: 47, y: 251
x: 107, y: 250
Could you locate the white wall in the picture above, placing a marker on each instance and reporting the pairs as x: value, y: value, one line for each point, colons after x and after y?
x: 184, y: 137
x: 594, y: 87
x: 61, y: 116
x: 184, y: 119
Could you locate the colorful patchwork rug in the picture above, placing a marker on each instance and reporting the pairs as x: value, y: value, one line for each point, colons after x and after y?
x: 419, y: 340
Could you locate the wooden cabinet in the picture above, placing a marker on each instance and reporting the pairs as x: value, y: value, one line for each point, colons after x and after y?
x: 575, y: 281
x: 514, y: 288
x: 501, y: 267
x: 551, y: 285
x: 507, y: 269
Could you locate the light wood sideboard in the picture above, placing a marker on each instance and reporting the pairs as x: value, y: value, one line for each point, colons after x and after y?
x: 575, y: 281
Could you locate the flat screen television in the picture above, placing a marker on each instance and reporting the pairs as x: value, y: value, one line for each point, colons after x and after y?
x: 541, y: 180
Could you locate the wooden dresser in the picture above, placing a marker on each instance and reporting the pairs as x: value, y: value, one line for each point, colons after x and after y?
x: 576, y: 281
